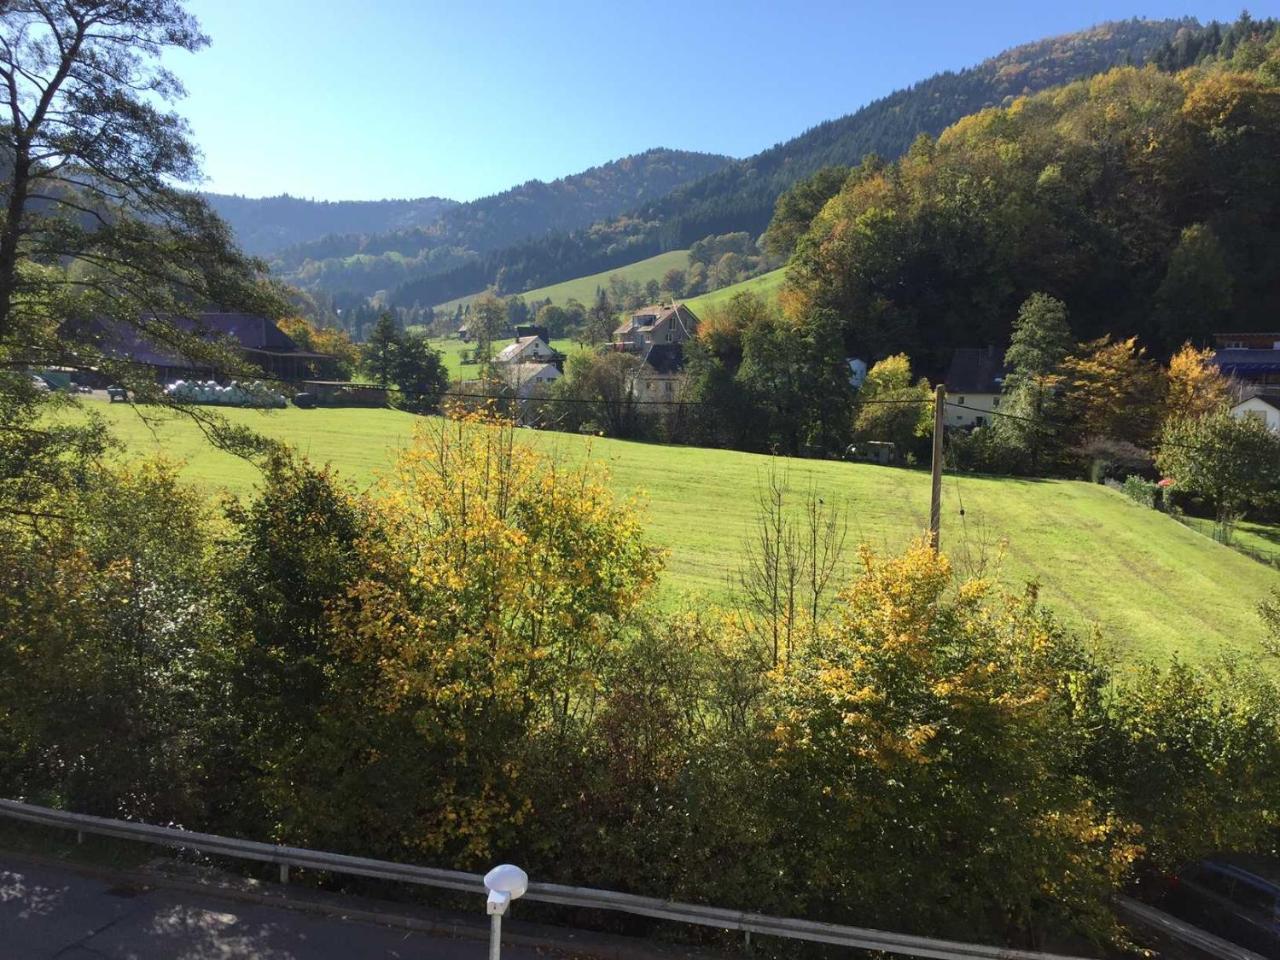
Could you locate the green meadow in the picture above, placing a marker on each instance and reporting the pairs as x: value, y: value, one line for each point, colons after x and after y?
x: 1153, y: 586
x: 583, y: 289
x: 766, y: 285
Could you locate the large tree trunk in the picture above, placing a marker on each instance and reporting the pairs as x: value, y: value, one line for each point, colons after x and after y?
x: 10, y: 235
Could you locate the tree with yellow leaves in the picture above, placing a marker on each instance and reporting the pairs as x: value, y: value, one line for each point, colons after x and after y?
x: 1113, y: 390
x: 334, y: 343
x: 930, y: 724
x: 494, y: 587
x: 890, y: 408
x: 1196, y: 386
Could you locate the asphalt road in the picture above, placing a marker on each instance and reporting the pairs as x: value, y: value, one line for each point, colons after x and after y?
x: 48, y: 912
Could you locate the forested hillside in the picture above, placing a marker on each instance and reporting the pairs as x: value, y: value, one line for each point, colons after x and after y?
x: 1148, y: 202
x: 741, y: 195
x: 265, y: 225
x: 363, y: 264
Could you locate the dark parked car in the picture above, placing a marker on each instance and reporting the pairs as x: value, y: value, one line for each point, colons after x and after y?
x: 1232, y: 896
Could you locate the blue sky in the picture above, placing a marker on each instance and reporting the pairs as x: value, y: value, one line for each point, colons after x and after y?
x: 339, y: 99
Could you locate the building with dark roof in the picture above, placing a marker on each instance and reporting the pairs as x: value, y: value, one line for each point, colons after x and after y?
x: 975, y: 381
x: 1249, y: 366
x: 257, y: 338
x: 660, y: 374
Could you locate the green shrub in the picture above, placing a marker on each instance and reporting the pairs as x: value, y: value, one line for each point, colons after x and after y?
x: 1141, y: 491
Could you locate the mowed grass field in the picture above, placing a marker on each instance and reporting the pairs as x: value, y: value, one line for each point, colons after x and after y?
x: 766, y: 285
x: 1153, y: 586
x: 583, y: 289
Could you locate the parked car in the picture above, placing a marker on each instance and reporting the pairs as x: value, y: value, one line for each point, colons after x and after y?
x: 1235, y: 897
x: 116, y: 392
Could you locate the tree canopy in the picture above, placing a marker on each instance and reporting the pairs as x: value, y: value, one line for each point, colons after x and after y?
x: 1137, y: 197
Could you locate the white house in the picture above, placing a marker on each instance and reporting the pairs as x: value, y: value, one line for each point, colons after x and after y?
x: 526, y: 350
x: 975, y: 381
x: 529, y: 379
x: 1263, y: 406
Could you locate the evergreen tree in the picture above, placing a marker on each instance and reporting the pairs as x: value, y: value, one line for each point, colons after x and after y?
x: 1030, y: 432
x: 381, y: 351
x: 1041, y: 339
x: 420, y: 374
x: 600, y: 319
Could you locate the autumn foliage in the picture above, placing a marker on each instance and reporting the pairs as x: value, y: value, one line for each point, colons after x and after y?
x: 467, y: 664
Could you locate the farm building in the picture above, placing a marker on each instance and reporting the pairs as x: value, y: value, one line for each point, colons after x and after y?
x: 659, y: 377
x: 257, y: 338
x: 529, y: 379
x: 1251, y: 359
x: 975, y: 381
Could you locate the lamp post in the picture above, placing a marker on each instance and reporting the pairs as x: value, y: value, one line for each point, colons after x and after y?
x: 504, y: 883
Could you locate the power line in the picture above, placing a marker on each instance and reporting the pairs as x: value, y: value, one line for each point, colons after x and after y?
x: 1041, y: 421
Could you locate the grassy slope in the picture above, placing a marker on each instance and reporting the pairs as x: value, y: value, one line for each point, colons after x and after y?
x: 583, y: 289
x: 766, y: 285
x: 1152, y: 584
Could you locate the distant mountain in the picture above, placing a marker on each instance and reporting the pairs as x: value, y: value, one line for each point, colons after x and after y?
x: 365, y: 263
x: 741, y: 195
x: 269, y: 224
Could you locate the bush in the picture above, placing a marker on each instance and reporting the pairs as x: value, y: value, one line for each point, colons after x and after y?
x: 110, y: 656
x: 1141, y: 491
x: 464, y: 667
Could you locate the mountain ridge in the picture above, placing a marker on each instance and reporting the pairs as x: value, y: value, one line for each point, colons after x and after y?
x: 472, y: 246
x: 740, y: 197
x: 265, y: 225
x: 464, y: 231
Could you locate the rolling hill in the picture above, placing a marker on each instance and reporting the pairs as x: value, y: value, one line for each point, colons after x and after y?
x: 466, y: 231
x: 265, y: 225
x: 583, y: 289
x: 1152, y: 585
x: 766, y: 285
x: 741, y: 195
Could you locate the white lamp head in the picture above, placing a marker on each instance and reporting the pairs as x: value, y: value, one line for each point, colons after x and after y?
x: 505, y: 883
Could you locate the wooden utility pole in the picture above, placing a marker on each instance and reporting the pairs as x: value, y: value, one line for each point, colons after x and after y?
x: 935, y: 503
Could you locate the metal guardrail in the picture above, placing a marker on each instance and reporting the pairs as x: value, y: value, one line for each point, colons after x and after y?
x: 1161, y: 922
x: 715, y: 917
